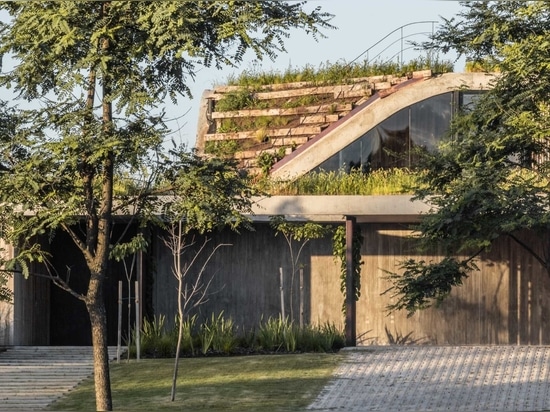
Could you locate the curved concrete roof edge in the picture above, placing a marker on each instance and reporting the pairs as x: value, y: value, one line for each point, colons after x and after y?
x: 360, y: 121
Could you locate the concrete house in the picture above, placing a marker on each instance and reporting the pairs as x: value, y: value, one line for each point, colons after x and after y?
x: 359, y: 125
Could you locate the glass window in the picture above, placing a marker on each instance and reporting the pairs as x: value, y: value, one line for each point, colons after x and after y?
x: 394, y: 142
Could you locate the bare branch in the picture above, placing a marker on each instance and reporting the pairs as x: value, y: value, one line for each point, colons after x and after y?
x: 531, y: 251
x: 59, y: 282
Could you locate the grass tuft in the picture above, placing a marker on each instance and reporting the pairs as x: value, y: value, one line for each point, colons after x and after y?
x: 377, y: 182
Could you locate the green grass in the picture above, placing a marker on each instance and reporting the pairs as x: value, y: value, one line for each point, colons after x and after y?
x: 242, y: 383
x: 377, y: 182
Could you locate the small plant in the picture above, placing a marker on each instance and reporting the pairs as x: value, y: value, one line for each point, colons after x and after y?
x: 218, y: 335
x: 278, y: 334
x: 400, y: 339
x: 155, y: 341
x: 222, y: 148
x: 188, y: 342
x: 333, y: 337
x: 261, y: 135
x: 307, y: 100
x: 265, y: 161
x: 237, y: 100
x: 323, y: 338
x: 228, y: 126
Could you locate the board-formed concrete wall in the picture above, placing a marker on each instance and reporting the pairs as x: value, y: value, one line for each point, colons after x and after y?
x: 506, y: 302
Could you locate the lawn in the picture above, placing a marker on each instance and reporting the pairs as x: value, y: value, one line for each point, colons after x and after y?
x: 242, y: 383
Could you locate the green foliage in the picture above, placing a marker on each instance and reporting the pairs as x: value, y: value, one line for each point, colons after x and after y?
x: 481, y: 30
x: 220, y: 336
x: 299, y: 231
x: 421, y: 283
x: 212, y: 193
x: 189, y: 339
x: 339, y: 252
x: 238, y: 100
x: 62, y: 159
x: 6, y: 294
x: 300, y: 101
x: 121, y: 250
x: 335, y: 73
x: 490, y: 177
x: 92, y: 77
x: 232, y: 125
x: 155, y: 340
x: 224, y: 149
x: 277, y: 334
x: 322, y: 338
x: 266, y: 160
x: 377, y: 182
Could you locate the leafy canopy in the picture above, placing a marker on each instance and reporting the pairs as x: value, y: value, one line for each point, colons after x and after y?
x: 490, y: 178
x: 96, y: 75
x: 86, y: 143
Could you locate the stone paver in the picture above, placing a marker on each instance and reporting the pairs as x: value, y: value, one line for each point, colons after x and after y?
x: 32, y: 377
x: 440, y: 378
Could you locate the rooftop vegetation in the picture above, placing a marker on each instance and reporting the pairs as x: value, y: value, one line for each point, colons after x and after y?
x: 336, y: 73
x: 377, y: 182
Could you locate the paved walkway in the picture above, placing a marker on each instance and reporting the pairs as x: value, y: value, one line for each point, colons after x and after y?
x: 32, y: 377
x: 435, y: 378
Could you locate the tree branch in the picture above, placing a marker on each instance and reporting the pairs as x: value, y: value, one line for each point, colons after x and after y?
x: 530, y: 251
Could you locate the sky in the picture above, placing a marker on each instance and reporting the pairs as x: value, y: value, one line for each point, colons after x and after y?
x: 361, y: 24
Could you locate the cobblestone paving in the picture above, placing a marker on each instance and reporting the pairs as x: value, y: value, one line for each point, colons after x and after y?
x: 440, y: 378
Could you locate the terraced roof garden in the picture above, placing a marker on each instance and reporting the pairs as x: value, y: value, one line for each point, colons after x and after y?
x: 260, y: 117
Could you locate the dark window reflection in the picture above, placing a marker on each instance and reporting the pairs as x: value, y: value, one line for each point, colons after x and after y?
x: 396, y: 140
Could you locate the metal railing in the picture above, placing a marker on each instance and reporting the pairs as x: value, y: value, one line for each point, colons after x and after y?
x: 401, y: 38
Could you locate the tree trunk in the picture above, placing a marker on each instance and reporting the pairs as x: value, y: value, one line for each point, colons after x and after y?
x: 98, y: 319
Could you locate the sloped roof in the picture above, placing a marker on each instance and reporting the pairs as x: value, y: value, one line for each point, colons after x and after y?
x: 301, y: 136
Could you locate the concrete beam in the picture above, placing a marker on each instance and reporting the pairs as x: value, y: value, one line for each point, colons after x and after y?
x: 390, y: 208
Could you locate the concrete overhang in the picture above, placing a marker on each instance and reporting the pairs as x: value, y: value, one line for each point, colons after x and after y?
x: 371, y: 113
x: 335, y: 209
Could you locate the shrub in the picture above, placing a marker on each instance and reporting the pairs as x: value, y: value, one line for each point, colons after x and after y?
x: 219, y: 336
x: 155, y: 340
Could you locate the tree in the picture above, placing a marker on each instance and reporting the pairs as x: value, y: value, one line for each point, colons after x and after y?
x: 191, y: 294
x: 212, y: 195
x: 491, y: 177
x: 97, y: 74
x: 297, y: 235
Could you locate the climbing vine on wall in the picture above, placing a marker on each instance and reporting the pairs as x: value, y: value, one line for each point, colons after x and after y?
x: 339, y: 252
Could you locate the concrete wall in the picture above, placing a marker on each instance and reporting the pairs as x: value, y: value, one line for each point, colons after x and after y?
x: 244, y: 277
x: 506, y: 302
